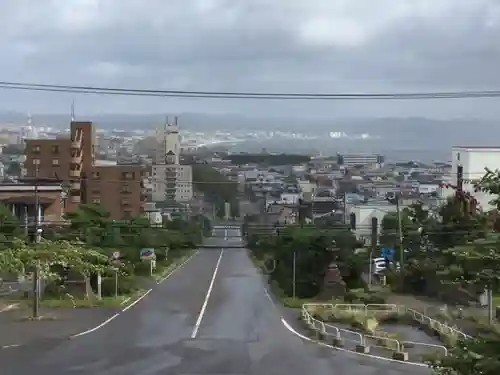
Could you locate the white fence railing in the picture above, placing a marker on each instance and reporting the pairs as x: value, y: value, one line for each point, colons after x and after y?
x: 309, y: 309
x: 433, y: 323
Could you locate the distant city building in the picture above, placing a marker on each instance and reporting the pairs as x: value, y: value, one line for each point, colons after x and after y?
x: 19, y: 198
x: 351, y: 160
x: 172, y: 182
x: 118, y: 188
x: 474, y: 160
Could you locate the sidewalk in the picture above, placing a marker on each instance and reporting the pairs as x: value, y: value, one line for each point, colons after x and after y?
x: 17, y: 329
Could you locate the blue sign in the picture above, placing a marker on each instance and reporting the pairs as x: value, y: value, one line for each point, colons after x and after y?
x: 387, y: 253
x: 147, y: 254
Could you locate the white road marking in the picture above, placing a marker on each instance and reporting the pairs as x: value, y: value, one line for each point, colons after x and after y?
x: 207, y: 297
x: 135, y: 302
x: 292, y: 330
x: 179, y: 267
x: 96, y: 327
x: 225, y: 234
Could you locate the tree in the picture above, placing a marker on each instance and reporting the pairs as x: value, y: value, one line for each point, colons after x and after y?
x: 478, y: 263
x: 14, y: 169
x: 9, y: 224
x: 268, y: 159
x: 479, y: 356
x: 21, y: 256
x: 314, y: 250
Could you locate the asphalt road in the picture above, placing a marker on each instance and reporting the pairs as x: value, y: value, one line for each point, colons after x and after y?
x: 212, y: 317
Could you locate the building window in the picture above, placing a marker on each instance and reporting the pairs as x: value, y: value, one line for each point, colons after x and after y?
x: 95, y: 175
x: 55, y: 149
x: 36, y: 161
x: 55, y: 162
x: 127, y: 214
x: 128, y: 175
x: 35, y: 149
x: 96, y: 201
x: 125, y: 188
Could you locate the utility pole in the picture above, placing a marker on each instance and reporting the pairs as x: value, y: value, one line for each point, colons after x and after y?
x: 374, y: 241
x: 400, y: 235
x: 36, y: 240
x: 344, y: 201
x: 294, y: 279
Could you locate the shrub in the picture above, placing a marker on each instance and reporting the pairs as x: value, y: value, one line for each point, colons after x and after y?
x: 126, y: 285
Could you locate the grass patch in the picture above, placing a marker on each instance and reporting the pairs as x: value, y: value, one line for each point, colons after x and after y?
x: 68, y: 301
x: 164, y: 268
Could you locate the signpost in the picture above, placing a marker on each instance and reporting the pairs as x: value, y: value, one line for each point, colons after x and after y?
x: 149, y: 255
x: 387, y: 253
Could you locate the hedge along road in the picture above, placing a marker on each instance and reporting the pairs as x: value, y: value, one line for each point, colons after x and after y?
x: 210, y: 317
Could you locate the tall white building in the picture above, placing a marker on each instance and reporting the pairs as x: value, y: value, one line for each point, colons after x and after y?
x: 171, y: 180
x: 473, y: 160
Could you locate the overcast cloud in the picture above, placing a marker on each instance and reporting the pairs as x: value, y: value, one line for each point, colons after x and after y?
x: 253, y: 45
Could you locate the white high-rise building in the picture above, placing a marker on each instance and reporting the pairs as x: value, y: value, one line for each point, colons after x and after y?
x: 171, y: 180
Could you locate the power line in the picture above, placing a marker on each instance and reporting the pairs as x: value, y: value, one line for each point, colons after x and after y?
x: 247, y: 95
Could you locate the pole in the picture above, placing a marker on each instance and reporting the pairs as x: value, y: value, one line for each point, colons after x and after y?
x: 99, y: 286
x: 373, y: 243
x: 400, y: 234
x: 344, y: 201
x: 491, y: 313
x: 36, y: 273
x: 116, y: 283
x: 370, y: 270
x: 294, y: 274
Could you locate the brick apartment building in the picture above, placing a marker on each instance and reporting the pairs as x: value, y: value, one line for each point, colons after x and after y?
x: 118, y: 188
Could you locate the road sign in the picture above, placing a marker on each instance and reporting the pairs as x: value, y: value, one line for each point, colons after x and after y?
x: 387, y: 253
x: 147, y: 254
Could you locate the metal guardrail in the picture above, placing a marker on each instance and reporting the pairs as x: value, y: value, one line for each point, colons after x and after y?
x: 327, y: 329
x: 436, y: 324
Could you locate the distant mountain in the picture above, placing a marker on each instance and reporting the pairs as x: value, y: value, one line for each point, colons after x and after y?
x: 412, y: 135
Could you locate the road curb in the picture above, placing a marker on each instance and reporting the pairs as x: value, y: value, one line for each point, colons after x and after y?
x: 129, y: 305
x: 290, y: 328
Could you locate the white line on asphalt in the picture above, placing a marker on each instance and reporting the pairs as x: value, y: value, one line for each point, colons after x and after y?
x: 136, y: 301
x: 292, y: 330
x: 179, y: 267
x: 207, y: 297
x: 133, y: 303
x: 96, y: 327
x: 225, y: 234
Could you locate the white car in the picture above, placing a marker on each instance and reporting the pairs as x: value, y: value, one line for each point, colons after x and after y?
x: 379, y: 265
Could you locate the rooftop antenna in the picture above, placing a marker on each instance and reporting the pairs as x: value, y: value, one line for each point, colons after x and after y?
x: 175, y: 120
x: 73, y: 110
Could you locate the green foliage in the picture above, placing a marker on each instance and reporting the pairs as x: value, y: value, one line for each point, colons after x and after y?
x: 268, y: 159
x: 314, y: 252
x: 10, y: 226
x: 365, y: 297
x: 471, y: 357
x: 428, y: 237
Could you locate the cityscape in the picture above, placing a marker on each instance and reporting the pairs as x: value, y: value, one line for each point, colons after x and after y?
x: 209, y: 187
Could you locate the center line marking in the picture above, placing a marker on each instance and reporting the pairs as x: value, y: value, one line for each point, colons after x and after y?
x: 207, y: 297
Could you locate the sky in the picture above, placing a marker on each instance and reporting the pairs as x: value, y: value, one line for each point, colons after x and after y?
x: 329, y: 46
